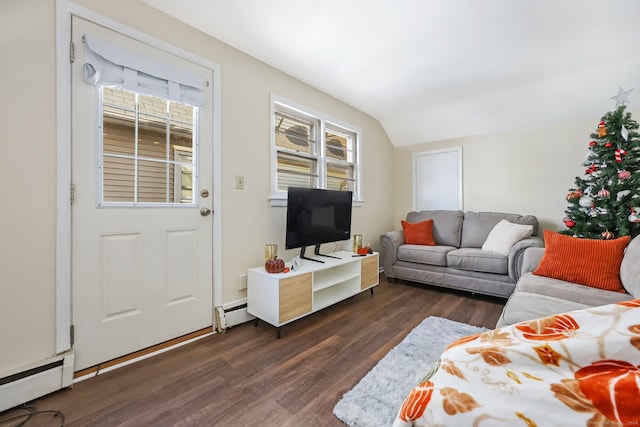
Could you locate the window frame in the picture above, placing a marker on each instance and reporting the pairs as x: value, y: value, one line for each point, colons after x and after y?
x: 326, y: 123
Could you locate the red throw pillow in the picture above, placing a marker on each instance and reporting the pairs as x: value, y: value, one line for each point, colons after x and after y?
x: 589, y: 262
x: 418, y: 233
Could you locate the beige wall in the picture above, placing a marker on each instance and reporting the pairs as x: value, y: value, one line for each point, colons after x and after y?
x: 526, y: 171
x: 28, y: 193
x: 28, y: 89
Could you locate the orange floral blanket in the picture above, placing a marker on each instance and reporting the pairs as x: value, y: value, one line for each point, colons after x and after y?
x: 580, y: 368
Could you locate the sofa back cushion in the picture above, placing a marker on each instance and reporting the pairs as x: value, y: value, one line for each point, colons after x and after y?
x: 478, y: 225
x: 447, y: 225
x: 630, y: 268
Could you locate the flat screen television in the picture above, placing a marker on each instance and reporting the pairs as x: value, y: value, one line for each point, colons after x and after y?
x: 316, y: 216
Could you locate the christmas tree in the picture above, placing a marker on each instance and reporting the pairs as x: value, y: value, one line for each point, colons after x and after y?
x: 605, y: 203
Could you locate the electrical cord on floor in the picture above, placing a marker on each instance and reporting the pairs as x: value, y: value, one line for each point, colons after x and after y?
x: 31, y: 411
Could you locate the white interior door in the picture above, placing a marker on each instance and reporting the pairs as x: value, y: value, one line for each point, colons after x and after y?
x: 142, y: 228
x: 437, y: 180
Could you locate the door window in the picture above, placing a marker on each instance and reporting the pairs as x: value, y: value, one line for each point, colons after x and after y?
x: 147, y: 150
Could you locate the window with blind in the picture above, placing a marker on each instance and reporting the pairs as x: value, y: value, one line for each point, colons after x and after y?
x: 148, y: 120
x: 146, y: 149
x: 313, y: 151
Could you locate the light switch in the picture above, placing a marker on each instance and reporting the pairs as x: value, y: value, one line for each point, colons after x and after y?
x: 239, y: 182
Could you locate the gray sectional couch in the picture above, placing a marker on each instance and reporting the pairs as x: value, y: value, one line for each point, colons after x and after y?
x: 539, y: 296
x: 458, y: 261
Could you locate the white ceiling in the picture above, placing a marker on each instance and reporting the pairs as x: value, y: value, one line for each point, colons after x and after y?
x: 429, y: 70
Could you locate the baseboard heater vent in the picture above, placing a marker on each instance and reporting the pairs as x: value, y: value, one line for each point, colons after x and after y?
x: 36, y: 380
x: 231, y: 315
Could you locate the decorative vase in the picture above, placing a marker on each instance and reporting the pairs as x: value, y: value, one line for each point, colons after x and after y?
x: 357, y: 242
x: 270, y: 251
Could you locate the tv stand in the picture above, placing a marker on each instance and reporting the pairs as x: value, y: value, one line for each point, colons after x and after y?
x: 316, y: 251
x: 281, y: 298
x: 303, y: 256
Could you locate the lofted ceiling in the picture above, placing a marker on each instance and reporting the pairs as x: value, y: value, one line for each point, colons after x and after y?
x: 430, y: 70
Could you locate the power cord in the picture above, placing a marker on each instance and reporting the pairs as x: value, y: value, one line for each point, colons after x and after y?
x: 31, y: 412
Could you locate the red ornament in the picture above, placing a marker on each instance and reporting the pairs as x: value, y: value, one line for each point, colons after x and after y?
x: 618, y: 155
x: 590, y: 169
x: 593, y: 144
x: 604, y: 193
x: 624, y: 174
x: 570, y: 224
x: 609, y: 144
x: 606, y: 235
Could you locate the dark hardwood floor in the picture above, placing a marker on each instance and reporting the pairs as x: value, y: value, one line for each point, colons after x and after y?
x: 247, y: 377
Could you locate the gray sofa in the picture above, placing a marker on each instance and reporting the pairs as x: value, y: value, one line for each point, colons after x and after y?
x: 458, y: 261
x: 539, y: 296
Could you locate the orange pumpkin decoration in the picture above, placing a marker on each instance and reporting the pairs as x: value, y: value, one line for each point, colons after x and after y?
x: 274, y: 265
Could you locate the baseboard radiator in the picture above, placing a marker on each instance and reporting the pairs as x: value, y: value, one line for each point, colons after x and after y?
x: 30, y: 382
x: 231, y: 314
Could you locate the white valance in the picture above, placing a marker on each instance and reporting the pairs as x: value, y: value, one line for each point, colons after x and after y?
x: 106, y: 64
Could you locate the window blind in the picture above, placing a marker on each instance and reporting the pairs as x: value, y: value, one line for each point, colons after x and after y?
x: 106, y: 64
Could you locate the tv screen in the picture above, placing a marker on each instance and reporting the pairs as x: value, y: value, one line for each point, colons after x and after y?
x: 316, y: 216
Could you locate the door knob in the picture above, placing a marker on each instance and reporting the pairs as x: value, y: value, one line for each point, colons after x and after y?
x: 205, y: 211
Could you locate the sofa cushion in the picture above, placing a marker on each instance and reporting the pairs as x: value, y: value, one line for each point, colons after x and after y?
x: 630, y: 268
x: 447, y: 225
x: 478, y: 225
x: 504, y: 235
x: 477, y: 260
x: 568, y: 291
x: 419, y: 233
x: 589, y: 262
x: 432, y: 255
x: 523, y: 306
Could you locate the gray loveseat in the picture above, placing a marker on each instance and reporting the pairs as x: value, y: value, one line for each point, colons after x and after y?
x: 539, y: 296
x: 458, y: 261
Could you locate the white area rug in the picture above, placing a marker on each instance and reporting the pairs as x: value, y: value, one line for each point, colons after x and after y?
x: 376, y: 399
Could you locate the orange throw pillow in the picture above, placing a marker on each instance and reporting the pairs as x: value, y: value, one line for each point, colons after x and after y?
x: 589, y: 262
x: 418, y: 233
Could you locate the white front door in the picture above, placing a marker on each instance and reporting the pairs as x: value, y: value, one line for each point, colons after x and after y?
x: 142, y: 227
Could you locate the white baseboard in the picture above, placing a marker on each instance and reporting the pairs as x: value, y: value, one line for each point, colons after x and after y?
x: 39, y: 379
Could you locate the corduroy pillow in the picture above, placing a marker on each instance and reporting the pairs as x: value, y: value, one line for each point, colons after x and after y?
x: 588, y: 262
x: 418, y: 233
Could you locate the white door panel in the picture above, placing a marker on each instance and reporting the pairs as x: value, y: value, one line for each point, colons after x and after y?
x: 437, y: 180
x: 141, y: 275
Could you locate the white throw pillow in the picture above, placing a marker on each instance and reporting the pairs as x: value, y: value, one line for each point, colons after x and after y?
x: 504, y: 235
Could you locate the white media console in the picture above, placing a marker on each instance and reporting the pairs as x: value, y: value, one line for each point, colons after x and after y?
x: 281, y: 298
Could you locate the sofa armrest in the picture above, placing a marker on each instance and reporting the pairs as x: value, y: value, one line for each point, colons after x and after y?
x: 531, y: 260
x: 390, y: 242
x: 516, y: 255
